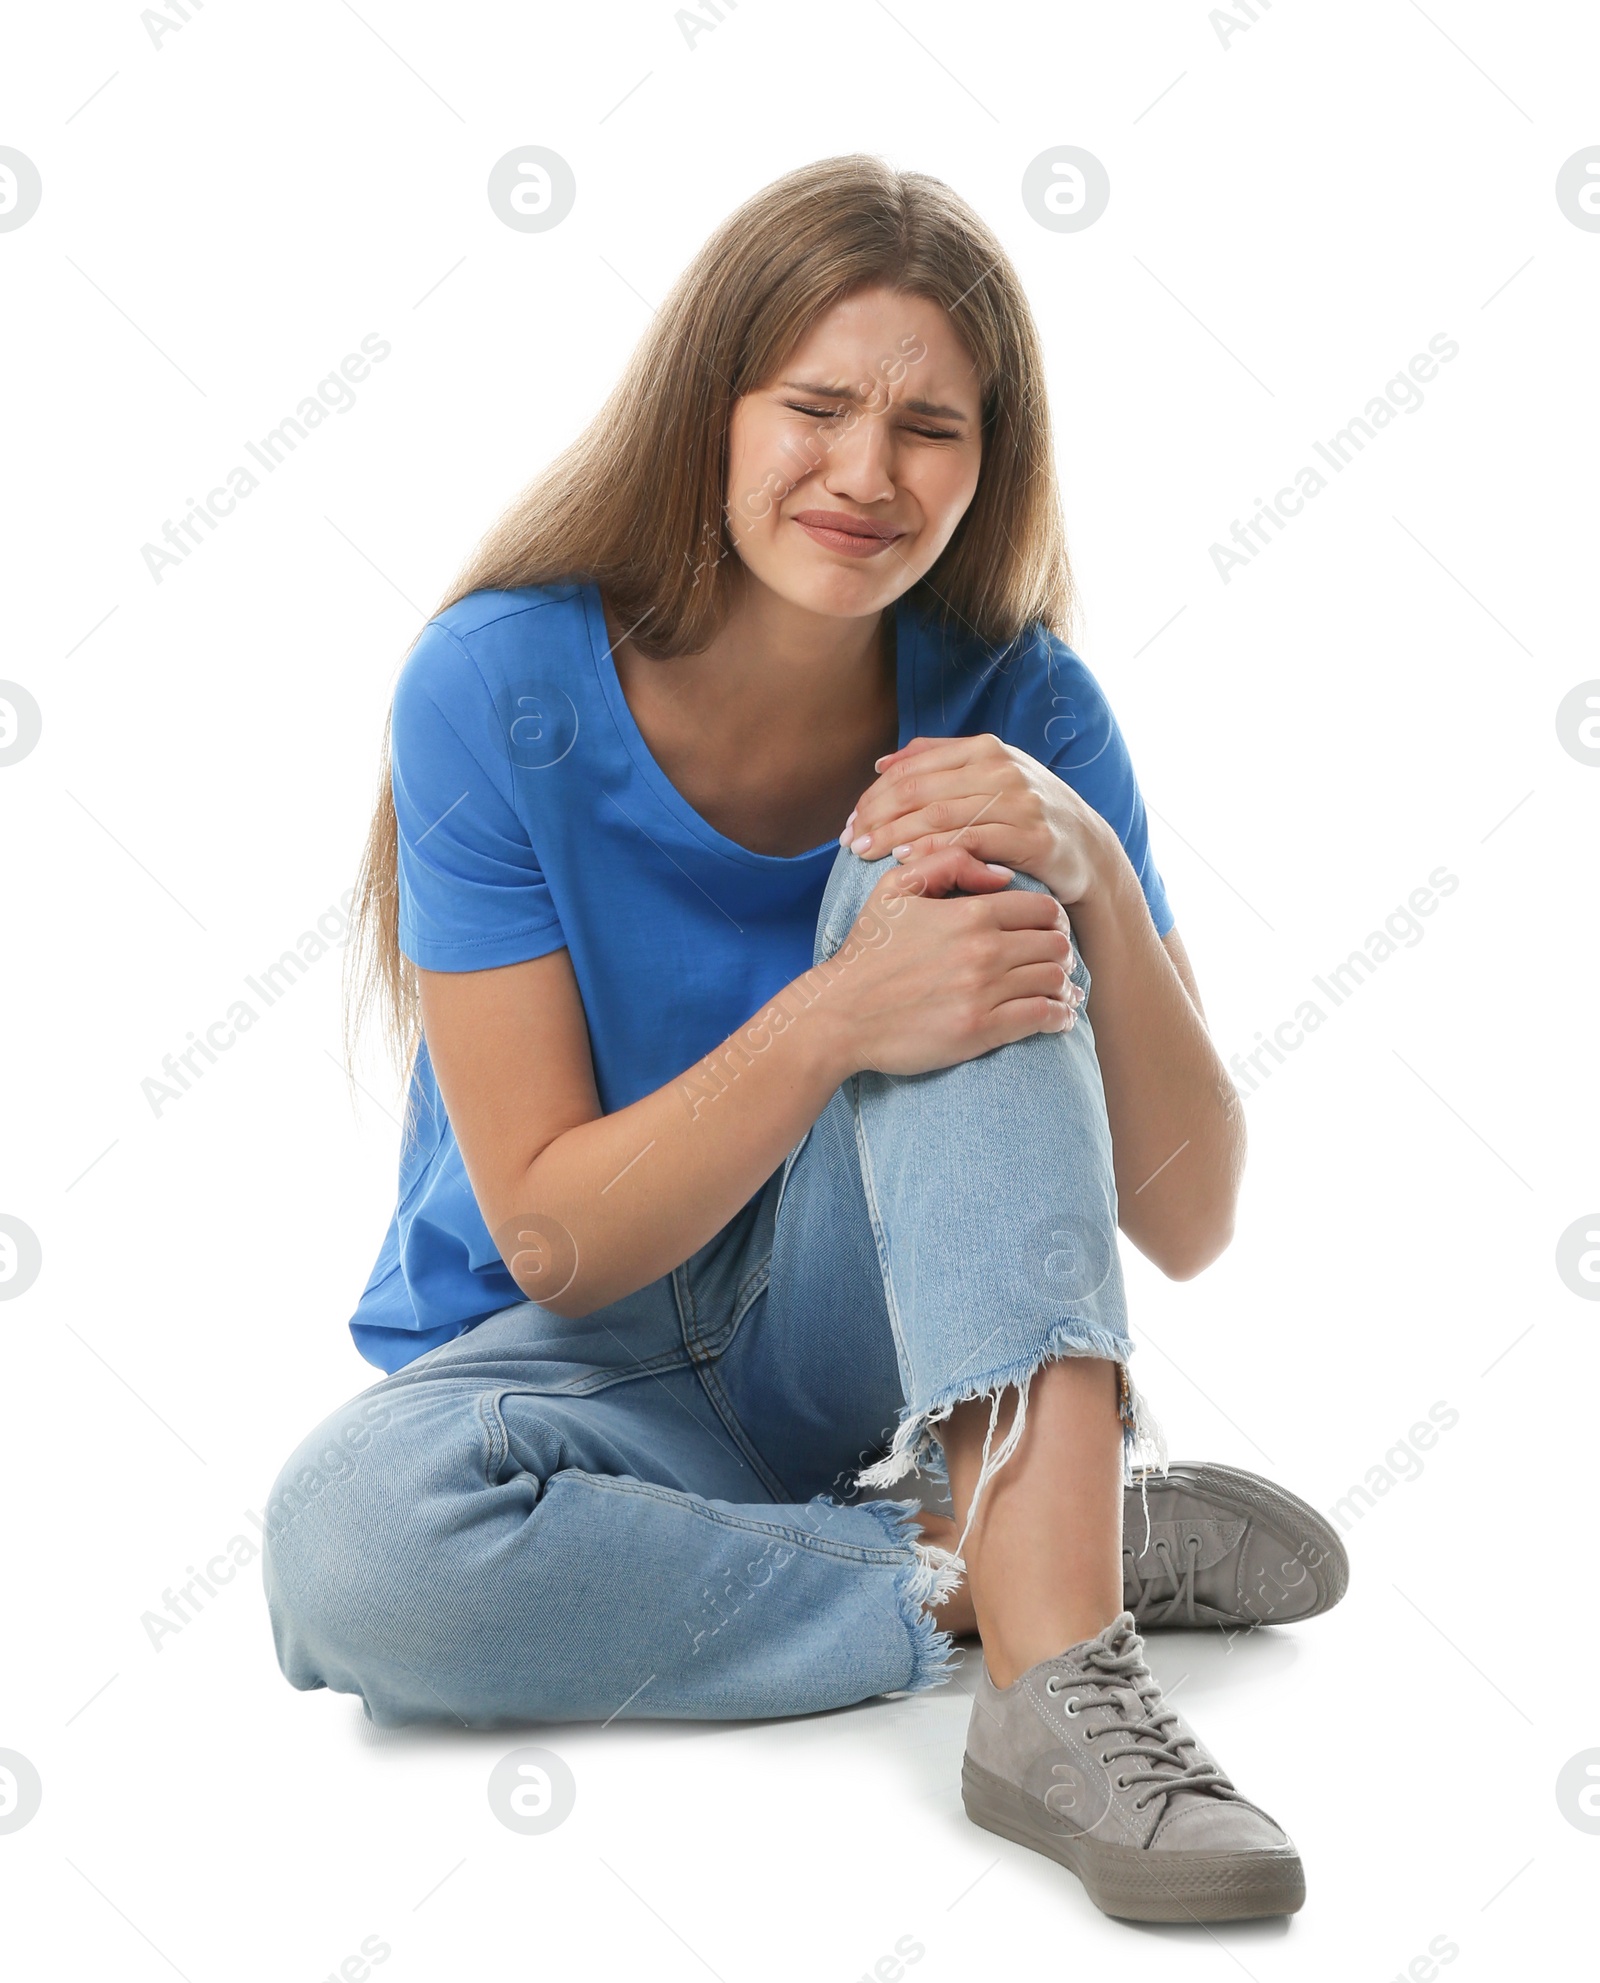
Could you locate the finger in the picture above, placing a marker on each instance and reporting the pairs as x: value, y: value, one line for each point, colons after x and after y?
x: 946, y: 757
x: 1040, y: 916
x: 1046, y: 980
x: 1022, y: 949
x: 990, y: 839
x: 920, y: 746
x: 954, y: 769
x: 1022, y: 909
x: 1020, y: 1018
x: 947, y: 803
x: 944, y: 870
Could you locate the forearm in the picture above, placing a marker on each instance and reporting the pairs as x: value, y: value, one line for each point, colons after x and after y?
x: 639, y: 1190
x: 1177, y: 1126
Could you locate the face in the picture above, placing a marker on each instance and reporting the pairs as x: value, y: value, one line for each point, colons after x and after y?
x: 850, y: 470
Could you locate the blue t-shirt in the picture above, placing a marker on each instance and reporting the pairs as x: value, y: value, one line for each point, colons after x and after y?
x: 533, y: 817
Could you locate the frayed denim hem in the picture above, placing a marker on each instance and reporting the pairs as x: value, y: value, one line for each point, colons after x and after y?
x: 927, y: 1580
x: 916, y: 1444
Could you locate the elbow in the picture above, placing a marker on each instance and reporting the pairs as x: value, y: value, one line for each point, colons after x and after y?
x: 1192, y: 1261
x: 1199, y: 1229
x: 541, y: 1256
x: 581, y: 1299
x: 1182, y: 1256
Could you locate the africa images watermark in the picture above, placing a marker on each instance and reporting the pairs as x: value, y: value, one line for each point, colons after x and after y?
x: 273, y: 981
x: 692, y: 25
x: 1401, y: 930
x: 737, y: 1585
x: 333, y: 394
x: 1229, y: 26
x: 159, y: 26
x: 1402, y: 1462
x: 1402, y: 394
x: 338, y: 1461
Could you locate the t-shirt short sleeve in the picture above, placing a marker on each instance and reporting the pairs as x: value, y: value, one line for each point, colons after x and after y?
x: 1084, y: 746
x: 472, y: 893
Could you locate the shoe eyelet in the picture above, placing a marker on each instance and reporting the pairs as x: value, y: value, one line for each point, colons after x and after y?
x: 1072, y: 1710
x: 1050, y: 1686
x: 1122, y: 1783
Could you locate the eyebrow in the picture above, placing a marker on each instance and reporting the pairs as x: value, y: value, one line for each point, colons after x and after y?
x: 927, y: 406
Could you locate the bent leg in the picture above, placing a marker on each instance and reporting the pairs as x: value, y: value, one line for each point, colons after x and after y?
x: 992, y: 1196
x: 1044, y: 1551
x: 476, y: 1541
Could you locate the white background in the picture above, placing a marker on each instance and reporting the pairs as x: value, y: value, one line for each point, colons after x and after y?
x: 1293, y: 215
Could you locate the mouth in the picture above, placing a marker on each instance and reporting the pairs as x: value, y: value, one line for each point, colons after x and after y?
x: 854, y: 536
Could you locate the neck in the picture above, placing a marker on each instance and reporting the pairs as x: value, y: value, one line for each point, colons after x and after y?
x: 777, y: 661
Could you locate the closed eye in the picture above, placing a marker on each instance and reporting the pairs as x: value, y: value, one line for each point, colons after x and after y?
x: 838, y: 412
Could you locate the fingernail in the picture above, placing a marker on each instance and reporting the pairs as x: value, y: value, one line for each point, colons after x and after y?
x: 994, y: 867
x: 861, y: 843
x: 880, y: 762
x: 901, y: 851
x: 844, y: 837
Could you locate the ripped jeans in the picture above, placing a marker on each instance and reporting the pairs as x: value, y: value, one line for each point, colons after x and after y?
x: 656, y: 1509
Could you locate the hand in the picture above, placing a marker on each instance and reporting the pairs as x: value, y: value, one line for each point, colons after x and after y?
x: 926, y: 983
x: 980, y: 794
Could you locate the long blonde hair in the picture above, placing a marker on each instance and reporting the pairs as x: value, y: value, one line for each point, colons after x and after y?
x: 637, y: 504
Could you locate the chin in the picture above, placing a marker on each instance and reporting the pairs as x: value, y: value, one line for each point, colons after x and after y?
x: 845, y: 594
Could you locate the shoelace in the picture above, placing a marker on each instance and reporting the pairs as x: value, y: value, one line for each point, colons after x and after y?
x: 1120, y: 1665
x: 1182, y: 1581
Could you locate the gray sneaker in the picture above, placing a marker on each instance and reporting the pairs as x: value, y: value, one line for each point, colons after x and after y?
x: 1081, y: 1760
x: 1225, y: 1548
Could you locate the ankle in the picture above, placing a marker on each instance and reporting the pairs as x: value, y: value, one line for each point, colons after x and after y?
x: 1009, y: 1654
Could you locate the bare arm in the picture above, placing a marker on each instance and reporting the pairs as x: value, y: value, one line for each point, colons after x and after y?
x: 639, y: 1190
x: 1177, y: 1124
x: 922, y: 982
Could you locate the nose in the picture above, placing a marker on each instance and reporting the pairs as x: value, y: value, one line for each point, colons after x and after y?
x: 859, y: 467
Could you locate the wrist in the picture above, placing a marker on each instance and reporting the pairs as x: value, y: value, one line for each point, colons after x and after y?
x: 820, y: 1027
x: 1112, y: 888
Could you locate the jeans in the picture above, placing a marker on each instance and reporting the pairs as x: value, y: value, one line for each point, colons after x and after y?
x: 658, y: 1509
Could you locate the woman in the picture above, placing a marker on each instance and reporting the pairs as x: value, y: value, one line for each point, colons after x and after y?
x: 750, y: 1163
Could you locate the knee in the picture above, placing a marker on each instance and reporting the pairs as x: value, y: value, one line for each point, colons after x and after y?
x: 1020, y: 880
x: 400, y: 1548
x: 340, y: 1448
x: 851, y: 881
x: 313, y: 1496
x: 357, y: 1530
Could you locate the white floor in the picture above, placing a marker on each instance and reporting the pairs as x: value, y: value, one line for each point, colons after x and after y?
x: 211, y: 1822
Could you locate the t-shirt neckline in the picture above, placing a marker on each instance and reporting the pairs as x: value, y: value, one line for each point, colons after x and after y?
x: 663, y: 787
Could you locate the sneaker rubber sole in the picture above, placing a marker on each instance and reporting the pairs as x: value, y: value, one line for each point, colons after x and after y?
x: 1135, y: 1885
x: 1305, y: 1536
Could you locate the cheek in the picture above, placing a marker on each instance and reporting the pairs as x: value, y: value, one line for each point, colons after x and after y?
x: 944, y: 486
x: 757, y: 481
x: 739, y: 478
